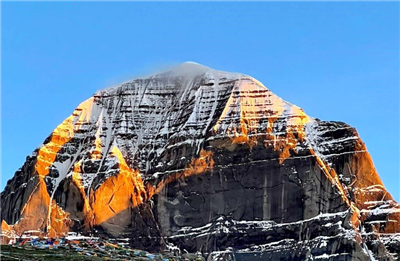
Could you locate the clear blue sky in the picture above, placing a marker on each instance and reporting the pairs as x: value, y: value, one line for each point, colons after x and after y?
x: 337, y: 60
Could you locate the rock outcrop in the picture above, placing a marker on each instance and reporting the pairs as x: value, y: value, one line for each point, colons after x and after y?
x: 203, y: 160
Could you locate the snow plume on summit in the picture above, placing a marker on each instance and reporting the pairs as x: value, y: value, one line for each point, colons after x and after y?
x: 210, y: 161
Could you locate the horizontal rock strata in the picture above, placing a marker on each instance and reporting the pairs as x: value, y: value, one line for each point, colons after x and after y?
x: 208, y: 161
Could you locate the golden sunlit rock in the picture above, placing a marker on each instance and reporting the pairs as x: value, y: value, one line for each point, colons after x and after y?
x: 120, y: 192
x: 252, y: 103
x: 203, y: 160
x: 38, y: 216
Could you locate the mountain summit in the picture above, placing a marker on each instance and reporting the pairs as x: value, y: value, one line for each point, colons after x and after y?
x: 203, y: 160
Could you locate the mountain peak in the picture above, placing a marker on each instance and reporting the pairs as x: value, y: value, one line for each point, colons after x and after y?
x: 190, y: 69
x: 195, y: 156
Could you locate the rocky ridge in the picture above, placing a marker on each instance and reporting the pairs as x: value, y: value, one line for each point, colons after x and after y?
x: 169, y: 159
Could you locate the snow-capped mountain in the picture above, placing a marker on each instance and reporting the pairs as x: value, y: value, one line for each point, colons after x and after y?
x: 210, y: 161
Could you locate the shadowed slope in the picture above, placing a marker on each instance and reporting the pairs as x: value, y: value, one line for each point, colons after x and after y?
x: 182, y: 148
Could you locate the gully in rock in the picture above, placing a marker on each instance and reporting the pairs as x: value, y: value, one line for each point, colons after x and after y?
x: 206, y: 161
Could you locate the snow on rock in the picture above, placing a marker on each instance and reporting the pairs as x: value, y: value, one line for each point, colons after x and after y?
x: 205, y: 160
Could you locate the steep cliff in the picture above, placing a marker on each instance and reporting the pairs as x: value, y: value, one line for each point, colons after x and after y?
x: 206, y: 161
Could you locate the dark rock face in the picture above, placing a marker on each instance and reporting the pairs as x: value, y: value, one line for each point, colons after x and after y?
x: 287, y: 192
x: 324, y: 236
x: 206, y: 161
